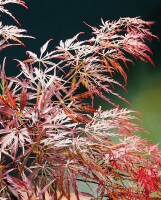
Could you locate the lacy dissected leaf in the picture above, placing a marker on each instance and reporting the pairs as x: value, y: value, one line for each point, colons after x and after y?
x: 53, y: 135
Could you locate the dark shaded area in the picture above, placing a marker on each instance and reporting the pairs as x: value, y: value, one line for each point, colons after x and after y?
x: 61, y: 19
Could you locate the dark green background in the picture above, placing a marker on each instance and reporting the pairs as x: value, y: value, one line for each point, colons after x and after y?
x: 62, y: 19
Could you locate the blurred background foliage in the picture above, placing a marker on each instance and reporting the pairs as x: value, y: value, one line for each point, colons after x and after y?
x: 61, y: 19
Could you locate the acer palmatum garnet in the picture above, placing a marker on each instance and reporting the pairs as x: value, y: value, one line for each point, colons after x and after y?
x: 52, y: 135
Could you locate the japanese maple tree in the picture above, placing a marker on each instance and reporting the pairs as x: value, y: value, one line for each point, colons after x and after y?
x: 52, y: 135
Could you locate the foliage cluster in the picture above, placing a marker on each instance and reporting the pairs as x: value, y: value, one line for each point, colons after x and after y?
x: 52, y: 136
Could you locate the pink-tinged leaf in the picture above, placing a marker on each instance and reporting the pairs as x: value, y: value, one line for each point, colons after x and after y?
x: 23, y: 99
x: 46, y: 187
x: 69, y: 44
x: 7, y: 140
x: 28, y: 182
x: 20, y: 2
x: 44, y: 47
x: 7, y: 45
x: 2, y: 9
x: 13, y: 33
x: 11, y: 100
x: 16, y: 182
x: 9, y: 13
x: 32, y: 55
